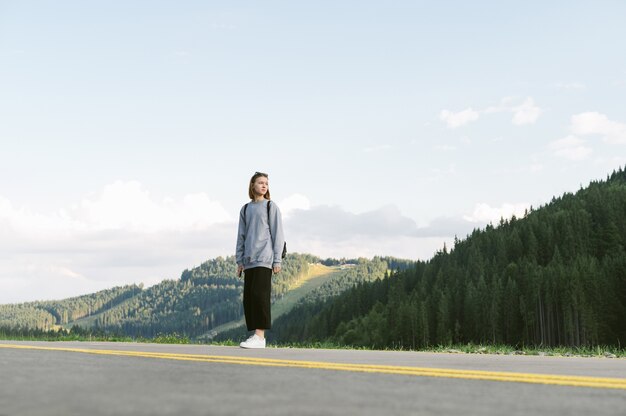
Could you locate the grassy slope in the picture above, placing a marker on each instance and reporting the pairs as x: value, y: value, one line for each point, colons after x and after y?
x: 317, y: 275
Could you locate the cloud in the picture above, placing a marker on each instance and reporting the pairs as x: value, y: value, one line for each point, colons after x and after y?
x: 119, y: 206
x: 332, y: 223
x: 572, y: 148
x: 594, y: 123
x: 526, y: 112
x: 330, y: 231
x: 126, y: 205
x: 292, y: 203
x: 589, y: 123
x: 118, y: 236
x: 122, y: 235
x: 454, y: 120
x: 484, y: 213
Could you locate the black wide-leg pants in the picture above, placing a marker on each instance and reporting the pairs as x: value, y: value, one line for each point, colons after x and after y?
x: 256, y: 298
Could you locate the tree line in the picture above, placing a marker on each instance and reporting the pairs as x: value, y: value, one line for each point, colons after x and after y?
x: 48, y: 314
x: 555, y: 277
x: 204, y: 297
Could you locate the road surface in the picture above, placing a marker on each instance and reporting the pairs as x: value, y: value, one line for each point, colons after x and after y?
x: 97, y: 378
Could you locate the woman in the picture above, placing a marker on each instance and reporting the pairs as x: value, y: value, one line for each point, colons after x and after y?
x: 260, y: 244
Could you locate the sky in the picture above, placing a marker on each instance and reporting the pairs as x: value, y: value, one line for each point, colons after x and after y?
x: 129, y: 129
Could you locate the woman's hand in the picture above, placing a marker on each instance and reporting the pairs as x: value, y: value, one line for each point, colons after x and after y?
x: 276, y: 269
x: 239, y: 270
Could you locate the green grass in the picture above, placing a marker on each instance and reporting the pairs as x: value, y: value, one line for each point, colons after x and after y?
x: 159, y: 339
x: 597, y: 351
x: 603, y: 351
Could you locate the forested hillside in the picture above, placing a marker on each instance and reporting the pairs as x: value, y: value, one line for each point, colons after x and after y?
x: 46, y: 314
x: 557, y: 276
x: 203, y: 298
x: 351, y: 273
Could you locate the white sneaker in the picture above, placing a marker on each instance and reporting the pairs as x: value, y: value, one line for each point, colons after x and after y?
x: 254, y: 341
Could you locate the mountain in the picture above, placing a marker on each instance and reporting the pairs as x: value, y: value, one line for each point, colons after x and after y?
x: 205, y: 297
x: 557, y: 276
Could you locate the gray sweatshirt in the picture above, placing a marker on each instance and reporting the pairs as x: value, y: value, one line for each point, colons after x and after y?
x: 256, y: 246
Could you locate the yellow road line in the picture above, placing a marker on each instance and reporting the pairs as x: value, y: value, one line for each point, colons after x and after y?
x: 562, y: 380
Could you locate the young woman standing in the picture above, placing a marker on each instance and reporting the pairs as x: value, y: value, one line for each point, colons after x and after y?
x: 260, y: 243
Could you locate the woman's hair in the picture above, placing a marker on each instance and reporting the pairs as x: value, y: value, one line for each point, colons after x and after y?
x: 251, y: 185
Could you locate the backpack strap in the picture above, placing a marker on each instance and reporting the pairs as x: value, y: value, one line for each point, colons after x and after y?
x: 268, y: 218
x: 245, y: 222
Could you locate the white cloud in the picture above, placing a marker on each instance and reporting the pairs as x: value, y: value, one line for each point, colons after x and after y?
x: 120, y: 206
x: 572, y: 148
x: 484, y: 213
x: 594, y: 123
x: 122, y: 235
x: 117, y: 236
x: 24, y: 220
x: 126, y: 205
x: 526, y: 113
x: 589, y: 123
x: 293, y: 202
x: 454, y: 120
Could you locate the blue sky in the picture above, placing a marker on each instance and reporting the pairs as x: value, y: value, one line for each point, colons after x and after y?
x: 129, y: 130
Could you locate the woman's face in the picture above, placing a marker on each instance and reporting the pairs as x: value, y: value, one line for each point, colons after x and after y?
x: 260, y: 186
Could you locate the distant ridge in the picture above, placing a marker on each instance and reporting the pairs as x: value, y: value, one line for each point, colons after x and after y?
x: 205, y: 297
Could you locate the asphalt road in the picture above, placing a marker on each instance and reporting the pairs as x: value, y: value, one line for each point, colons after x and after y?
x: 81, y: 378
